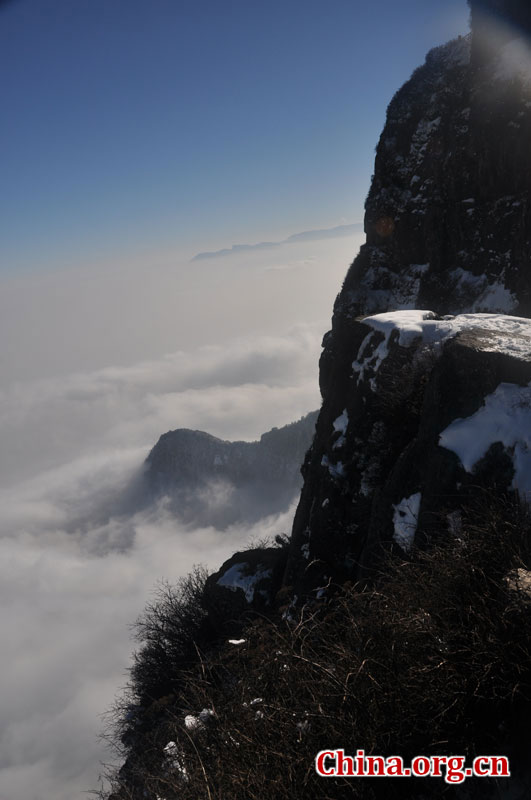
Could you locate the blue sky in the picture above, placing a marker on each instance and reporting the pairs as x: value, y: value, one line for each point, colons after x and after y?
x: 133, y: 127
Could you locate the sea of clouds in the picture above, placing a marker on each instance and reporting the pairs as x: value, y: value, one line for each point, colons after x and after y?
x: 98, y: 362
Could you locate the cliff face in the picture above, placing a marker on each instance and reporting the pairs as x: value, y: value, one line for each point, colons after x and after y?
x: 448, y: 216
x: 448, y: 224
x: 423, y: 412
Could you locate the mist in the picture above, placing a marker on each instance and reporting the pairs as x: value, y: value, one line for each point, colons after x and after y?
x: 99, y: 361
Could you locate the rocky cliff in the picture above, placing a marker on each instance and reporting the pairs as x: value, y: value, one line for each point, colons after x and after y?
x: 448, y: 226
x: 424, y: 410
x: 447, y: 217
x: 448, y: 229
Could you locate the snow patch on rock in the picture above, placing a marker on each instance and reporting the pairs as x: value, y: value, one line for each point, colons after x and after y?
x: 496, y: 298
x: 340, y: 426
x: 236, y: 578
x: 405, y: 520
x: 335, y: 470
x: 505, y: 417
x: 490, y: 297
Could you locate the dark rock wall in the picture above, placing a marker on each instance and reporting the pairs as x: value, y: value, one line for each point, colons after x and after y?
x: 448, y: 225
x: 448, y: 215
x: 384, y: 481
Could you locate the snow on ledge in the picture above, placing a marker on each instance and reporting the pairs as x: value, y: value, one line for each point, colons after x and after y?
x: 510, y: 334
x: 504, y: 334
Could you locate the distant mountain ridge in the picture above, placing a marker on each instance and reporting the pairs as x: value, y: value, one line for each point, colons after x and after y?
x: 215, y: 482
x: 305, y: 236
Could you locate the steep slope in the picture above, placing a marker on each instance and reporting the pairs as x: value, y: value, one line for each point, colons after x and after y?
x: 214, y: 482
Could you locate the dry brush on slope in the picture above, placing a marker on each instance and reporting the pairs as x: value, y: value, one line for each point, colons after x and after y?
x: 434, y: 658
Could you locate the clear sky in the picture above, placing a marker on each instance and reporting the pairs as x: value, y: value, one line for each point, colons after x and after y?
x: 131, y: 126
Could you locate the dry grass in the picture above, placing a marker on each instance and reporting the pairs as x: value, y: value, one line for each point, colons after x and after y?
x: 433, y: 658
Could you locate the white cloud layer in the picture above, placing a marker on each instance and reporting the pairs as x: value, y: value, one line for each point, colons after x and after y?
x: 236, y: 390
x: 85, y: 393
x: 65, y: 617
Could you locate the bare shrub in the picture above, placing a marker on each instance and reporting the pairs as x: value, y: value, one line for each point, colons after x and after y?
x: 435, y: 658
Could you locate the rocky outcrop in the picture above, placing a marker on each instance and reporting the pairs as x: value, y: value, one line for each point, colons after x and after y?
x: 214, y: 482
x: 247, y: 581
x: 422, y: 411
